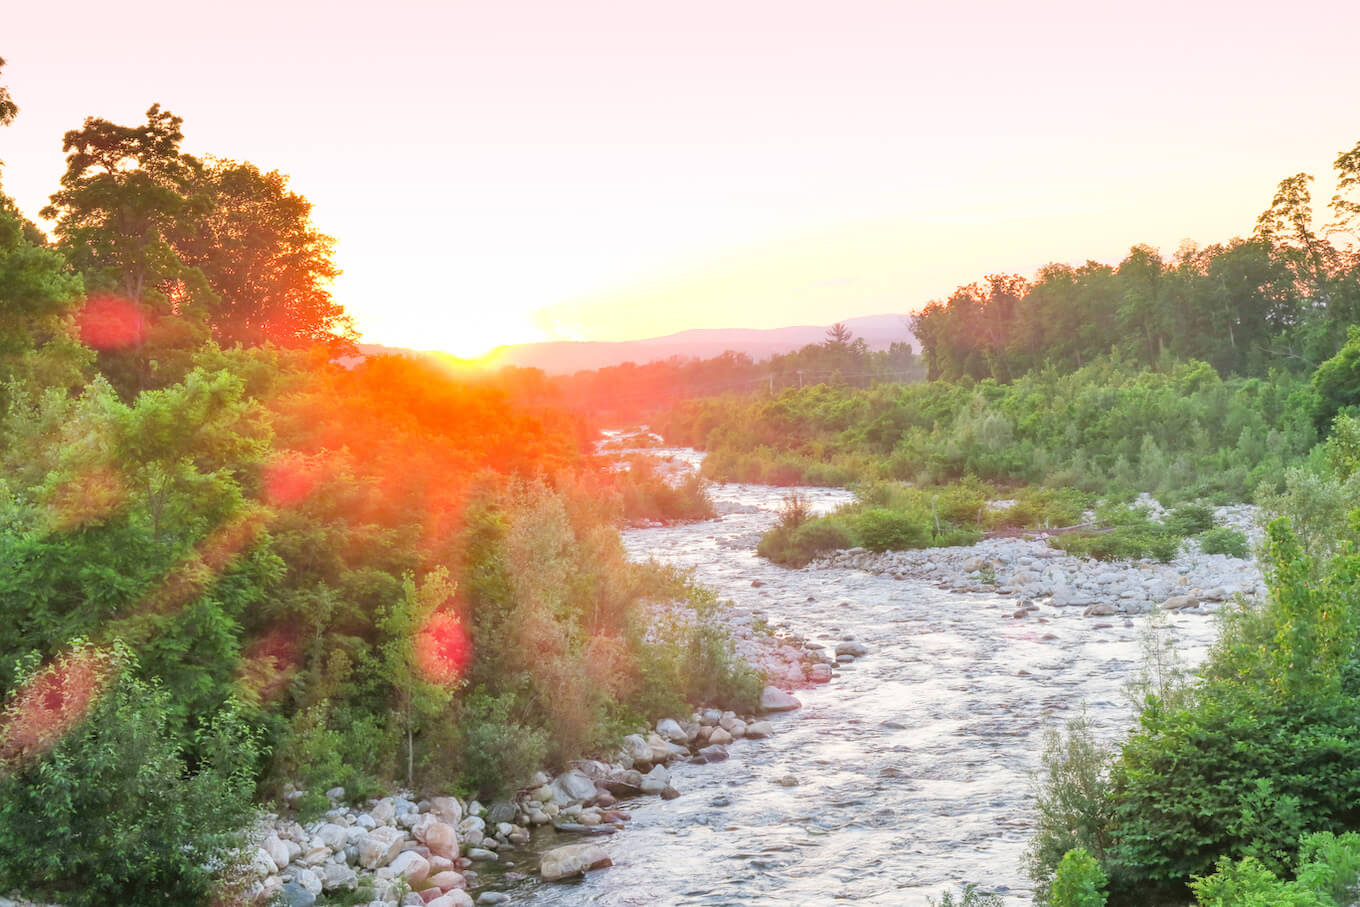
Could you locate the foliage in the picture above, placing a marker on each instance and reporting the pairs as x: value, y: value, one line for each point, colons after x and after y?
x: 1232, y: 542
x: 1079, y: 881
x: 1072, y: 798
x: 116, y: 814
x: 970, y: 896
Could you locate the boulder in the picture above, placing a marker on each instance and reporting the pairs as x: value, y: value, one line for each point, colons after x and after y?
x: 441, y: 839
x: 572, y: 860
x: 335, y: 876
x: 760, y: 729
x: 572, y: 787
x: 670, y: 729
x: 410, y: 866
x: 447, y: 809
x: 1099, y: 609
x: 295, y: 895
x: 655, y: 781
x: 820, y: 673
x: 447, y: 880
x: 714, y: 753
x: 719, y: 737
x: 773, y: 699
x: 333, y: 836
x: 277, y: 850
x: 379, y: 846
x: 455, y: 898
x: 1181, y: 602
x: 856, y: 649
x: 308, y: 880
x: 637, y: 749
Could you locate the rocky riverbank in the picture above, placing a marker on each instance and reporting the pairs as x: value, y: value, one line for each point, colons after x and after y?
x: 1030, y: 569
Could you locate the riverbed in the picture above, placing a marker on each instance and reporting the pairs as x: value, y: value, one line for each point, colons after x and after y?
x: 907, y: 775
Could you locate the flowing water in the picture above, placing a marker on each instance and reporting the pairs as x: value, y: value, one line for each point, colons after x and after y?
x: 912, y: 766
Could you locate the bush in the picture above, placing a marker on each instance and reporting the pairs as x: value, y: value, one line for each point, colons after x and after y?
x: 1072, y: 798
x: 1247, y: 883
x: 116, y: 815
x: 1330, y: 865
x: 1079, y: 881
x: 1189, y: 519
x: 1232, y: 542
x: 487, y: 749
x: 884, y: 530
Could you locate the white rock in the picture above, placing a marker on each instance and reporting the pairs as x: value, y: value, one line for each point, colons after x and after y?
x: 572, y: 860
x: 773, y: 699
x: 412, y: 867
x: 379, y: 846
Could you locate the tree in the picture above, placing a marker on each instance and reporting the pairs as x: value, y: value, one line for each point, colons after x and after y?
x: 422, y: 654
x: 8, y: 109
x: 263, y: 258
x: 838, y: 335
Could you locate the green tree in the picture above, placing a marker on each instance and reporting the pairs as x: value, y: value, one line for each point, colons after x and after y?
x: 264, y: 259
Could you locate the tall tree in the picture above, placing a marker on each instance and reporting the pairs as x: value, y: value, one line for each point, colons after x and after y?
x: 125, y: 190
x: 262, y: 256
x: 8, y: 109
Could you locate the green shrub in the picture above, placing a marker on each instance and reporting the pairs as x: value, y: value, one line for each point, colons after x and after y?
x: 884, y: 530
x: 820, y: 536
x: 1247, y: 883
x: 116, y: 815
x: 1232, y: 542
x: 1072, y: 798
x: 1189, y: 519
x: 1330, y: 865
x: 485, y: 748
x: 1079, y: 881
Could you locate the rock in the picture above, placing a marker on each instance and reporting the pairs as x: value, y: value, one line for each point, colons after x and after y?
x: 379, y: 846
x: 333, y: 836
x: 335, y: 876
x: 714, y: 753
x: 572, y: 860
x: 294, y: 895
x: 482, y: 855
x: 277, y: 850
x: 572, y: 787
x: 756, y: 583
x: 819, y: 673
x: 655, y: 781
x: 446, y: 880
x: 761, y: 729
x: 787, y: 781
x: 492, y: 897
x: 637, y: 749
x: 308, y: 880
x: 383, y: 812
x: 1181, y: 602
x: 627, y: 783
x: 410, y: 866
x: 669, y: 793
x: 501, y: 811
x: 335, y: 793
x: 262, y: 863
x: 1099, y: 609
x: 773, y: 699
x: 670, y: 729
x: 855, y: 649
x: 719, y: 736
x: 455, y: 898
x: 441, y: 839
x: 447, y: 809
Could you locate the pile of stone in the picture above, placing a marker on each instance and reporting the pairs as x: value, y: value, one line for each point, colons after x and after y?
x: 407, y: 852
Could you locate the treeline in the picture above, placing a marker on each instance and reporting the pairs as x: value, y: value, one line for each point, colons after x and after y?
x: 1281, y: 299
x: 231, y: 569
x: 630, y: 393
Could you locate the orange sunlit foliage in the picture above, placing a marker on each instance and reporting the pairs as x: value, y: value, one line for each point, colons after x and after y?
x: 85, y: 498
x: 110, y: 323
x: 269, y: 664
x: 289, y: 479
x: 51, y: 703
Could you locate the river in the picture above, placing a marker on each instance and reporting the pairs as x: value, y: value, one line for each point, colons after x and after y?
x: 913, y: 766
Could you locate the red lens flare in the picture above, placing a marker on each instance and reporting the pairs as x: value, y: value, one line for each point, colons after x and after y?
x: 51, y: 703
x: 109, y: 323
x: 288, y: 480
x: 442, y: 649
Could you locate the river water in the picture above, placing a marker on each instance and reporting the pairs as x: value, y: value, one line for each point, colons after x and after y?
x: 913, y: 765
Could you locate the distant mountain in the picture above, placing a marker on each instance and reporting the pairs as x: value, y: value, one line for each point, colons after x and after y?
x: 566, y: 356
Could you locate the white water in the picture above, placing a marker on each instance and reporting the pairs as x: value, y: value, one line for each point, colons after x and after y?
x: 913, y: 764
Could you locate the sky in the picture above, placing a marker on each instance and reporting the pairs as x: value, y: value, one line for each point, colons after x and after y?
x: 506, y: 171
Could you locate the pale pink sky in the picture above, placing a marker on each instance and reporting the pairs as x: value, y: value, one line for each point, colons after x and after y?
x: 505, y: 171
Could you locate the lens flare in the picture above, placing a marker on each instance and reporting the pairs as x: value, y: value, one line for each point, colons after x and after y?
x: 109, y: 323
x: 442, y: 649
x: 51, y: 703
